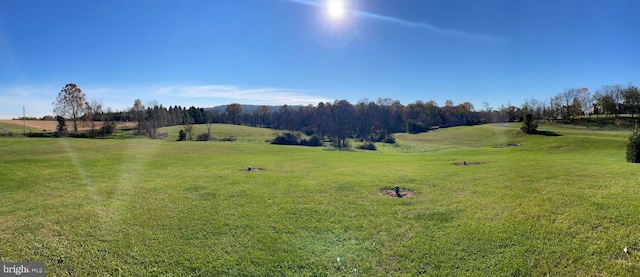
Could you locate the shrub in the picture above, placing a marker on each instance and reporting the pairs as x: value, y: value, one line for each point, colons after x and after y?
x: 182, y: 135
x: 230, y: 138
x: 415, y: 127
x: 389, y: 139
x: 290, y: 138
x: 203, y: 137
x: 633, y: 148
x: 108, y: 128
x: 78, y: 135
x: 368, y: 145
x: 314, y: 140
x: 308, y: 131
x: 38, y: 135
x: 287, y: 138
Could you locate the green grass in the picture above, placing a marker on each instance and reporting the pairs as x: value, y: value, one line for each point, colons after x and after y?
x: 10, y: 127
x: 218, y: 131
x: 555, y: 205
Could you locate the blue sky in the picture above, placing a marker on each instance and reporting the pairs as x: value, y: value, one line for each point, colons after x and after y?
x: 214, y: 52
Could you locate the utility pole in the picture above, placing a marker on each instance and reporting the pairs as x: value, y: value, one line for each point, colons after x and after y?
x: 24, y: 123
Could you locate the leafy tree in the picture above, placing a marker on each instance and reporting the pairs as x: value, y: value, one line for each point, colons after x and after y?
x: 631, y: 97
x: 71, y: 103
x: 633, y: 148
x: 463, y: 112
x: 529, y: 125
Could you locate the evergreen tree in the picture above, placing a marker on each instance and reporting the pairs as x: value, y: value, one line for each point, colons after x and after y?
x: 633, y: 148
x: 61, y: 129
x: 529, y: 126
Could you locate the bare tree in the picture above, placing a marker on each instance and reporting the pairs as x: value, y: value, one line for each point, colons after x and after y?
x: 138, y: 114
x: 94, y: 110
x: 555, y: 106
x: 568, y: 103
x: 233, y: 111
x: 487, y: 107
x: 209, y: 117
x: 343, y: 115
x: 534, y: 107
x: 71, y: 103
x: 188, y: 127
x: 264, y: 113
x: 596, y: 107
x: 155, y: 118
x: 611, y: 99
x: 583, y: 95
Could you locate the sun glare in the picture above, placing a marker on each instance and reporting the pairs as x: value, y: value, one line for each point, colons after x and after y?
x: 336, y: 8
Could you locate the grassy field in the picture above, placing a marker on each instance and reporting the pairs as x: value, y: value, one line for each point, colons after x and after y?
x: 37, y: 126
x: 561, y: 205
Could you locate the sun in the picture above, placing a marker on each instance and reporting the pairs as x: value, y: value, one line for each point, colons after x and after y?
x: 336, y: 8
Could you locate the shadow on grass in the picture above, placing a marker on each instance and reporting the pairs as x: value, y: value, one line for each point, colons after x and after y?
x: 548, y: 134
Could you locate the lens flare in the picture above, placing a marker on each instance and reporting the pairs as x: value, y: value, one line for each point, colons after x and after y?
x: 336, y: 9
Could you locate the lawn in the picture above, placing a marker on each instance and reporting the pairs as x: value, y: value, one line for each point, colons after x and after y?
x: 523, y: 205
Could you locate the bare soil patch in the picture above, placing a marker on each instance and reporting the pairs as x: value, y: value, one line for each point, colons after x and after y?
x: 468, y: 163
x: 392, y: 193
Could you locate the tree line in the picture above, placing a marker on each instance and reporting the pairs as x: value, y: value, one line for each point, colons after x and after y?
x: 572, y: 103
x: 365, y: 120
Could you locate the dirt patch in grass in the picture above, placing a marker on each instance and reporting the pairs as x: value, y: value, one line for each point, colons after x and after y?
x: 468, y: 163
x: 392, y: 193
x: 252, y: 169
x: 50, y: 231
